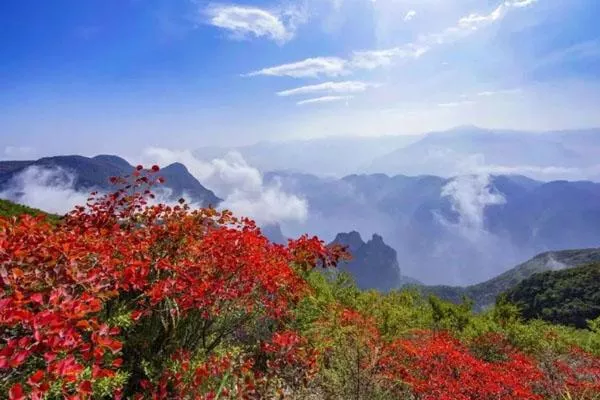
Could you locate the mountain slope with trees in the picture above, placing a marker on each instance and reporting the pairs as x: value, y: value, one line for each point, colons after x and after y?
x: 485, y: 294
x: 569, y: 297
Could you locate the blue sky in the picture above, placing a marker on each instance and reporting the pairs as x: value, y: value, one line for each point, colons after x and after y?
x: 92, y: 76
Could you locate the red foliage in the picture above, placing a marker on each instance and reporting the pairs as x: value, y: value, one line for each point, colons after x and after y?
x: 439, y: 367
x: 56, y: 280
x: 576, y: 373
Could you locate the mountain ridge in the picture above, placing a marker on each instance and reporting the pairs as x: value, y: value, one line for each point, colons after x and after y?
x: 91, y: 173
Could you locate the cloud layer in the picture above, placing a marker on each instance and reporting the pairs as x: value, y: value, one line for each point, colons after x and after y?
x: 239, y: 184
x: 48, y: 189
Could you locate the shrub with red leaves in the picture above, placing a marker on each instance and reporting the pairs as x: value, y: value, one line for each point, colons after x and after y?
x: 438, y: 367
x: 121, y: 294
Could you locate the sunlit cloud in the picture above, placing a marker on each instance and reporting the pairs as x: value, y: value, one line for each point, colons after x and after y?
x: 324, y: 99
x: 242, y: 21
x: 329, y: 87
x: 308, y: 68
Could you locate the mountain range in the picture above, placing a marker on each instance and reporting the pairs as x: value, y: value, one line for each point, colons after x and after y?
x: 459, y: 230
x: 543, y: 155
x: 445, y: 230
x: 86, y: 174
x: 549, y: 155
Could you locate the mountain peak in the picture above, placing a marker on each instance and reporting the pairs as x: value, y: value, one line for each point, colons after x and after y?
x: 351, y: 239
x: 114, y: 160
x: 177, y: 167
x: 374, y: 264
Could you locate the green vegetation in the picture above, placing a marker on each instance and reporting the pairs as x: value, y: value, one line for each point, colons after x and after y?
x: 569, y: 297
x: 9, y: 209
x: 484, y: 294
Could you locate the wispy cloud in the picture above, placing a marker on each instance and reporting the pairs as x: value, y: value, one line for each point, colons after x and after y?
x: 456, y: 104
x: 410, y: 15
x: 309, y: 68
x: 329, y: 87
x: 371, y: 59
x: 490, y: 93
x: 324, y: 99
x: 243, y: 21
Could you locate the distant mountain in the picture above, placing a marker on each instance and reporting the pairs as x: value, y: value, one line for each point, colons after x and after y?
x: 569, y: 297
x: 484, y: 294
x: 93, y: 173
x: 274, y: 234
x: 456, y: 231
x: 183, y: 184
x: 336, y: 156
x: 546, y: 156
x: 374, y: 264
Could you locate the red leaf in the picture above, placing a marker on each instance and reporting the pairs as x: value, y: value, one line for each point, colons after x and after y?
x: 36, y: 378
x: 16, y: 392
x: 37, y: 298
x: 85, y: 387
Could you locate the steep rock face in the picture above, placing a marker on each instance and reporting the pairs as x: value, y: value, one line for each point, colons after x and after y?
x: 374, y: 264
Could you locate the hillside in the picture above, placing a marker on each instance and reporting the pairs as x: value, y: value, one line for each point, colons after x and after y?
x: 484, y: 294
x: 569, y: 297
x: 10, y: 209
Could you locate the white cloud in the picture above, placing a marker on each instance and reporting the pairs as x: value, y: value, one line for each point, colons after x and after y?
x: 324, y: 99
x: 372, y: 59
x: 49, y: 189
x: 520, y: 3
x: 329, y: 87
x: 489, y: 93
x: 473, y: 21
x: 239, y: 184
x: 308, y: 68
x: 410, y: 15
x: 456, y: 104
x: 470, y: 195
x: 244, y: 21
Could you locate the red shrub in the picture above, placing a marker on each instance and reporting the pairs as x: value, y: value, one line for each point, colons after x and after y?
x: 438, y: 367
x: 61, y: 286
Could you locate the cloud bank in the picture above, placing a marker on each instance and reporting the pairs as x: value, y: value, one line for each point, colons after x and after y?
x: 240, y: 185
x: 49, y: 189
